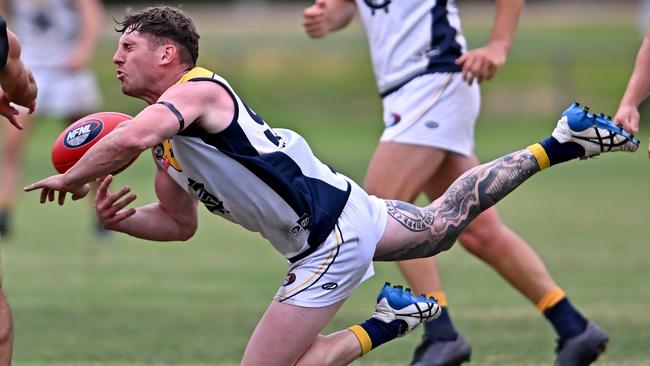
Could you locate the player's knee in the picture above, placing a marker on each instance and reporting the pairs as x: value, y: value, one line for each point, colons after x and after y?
x: 483, y: 236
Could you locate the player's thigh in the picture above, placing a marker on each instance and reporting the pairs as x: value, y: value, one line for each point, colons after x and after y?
x: 285, y: 332
x: 400, y: 171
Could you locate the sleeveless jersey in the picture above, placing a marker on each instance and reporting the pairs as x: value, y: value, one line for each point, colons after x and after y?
x: 48, y: 30
x: 266, y: 180
x: 409, y: 38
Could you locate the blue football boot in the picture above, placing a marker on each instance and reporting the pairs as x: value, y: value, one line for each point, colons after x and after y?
x: 596, y: 134
x: 394, y: 303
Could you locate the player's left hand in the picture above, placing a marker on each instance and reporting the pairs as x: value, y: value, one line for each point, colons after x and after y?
x: 482, y: 63
x: 55, y: 183
x: 109, y: 206
x: 77, y: 60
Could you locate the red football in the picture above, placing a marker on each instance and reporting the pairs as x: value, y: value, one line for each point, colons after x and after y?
x: 80, y: 136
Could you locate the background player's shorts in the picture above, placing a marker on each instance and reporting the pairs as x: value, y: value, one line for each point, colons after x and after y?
x: 343, y: 261
x: 437, y: 110
x: 66, y: 94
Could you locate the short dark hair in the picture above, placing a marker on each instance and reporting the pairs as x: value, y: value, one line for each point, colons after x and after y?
x: 161, y: 24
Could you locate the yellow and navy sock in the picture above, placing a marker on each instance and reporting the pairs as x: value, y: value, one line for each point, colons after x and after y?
x: 441, y: 328
x: 550, y: 152
x: 373, y: 333
x: 566, y: 319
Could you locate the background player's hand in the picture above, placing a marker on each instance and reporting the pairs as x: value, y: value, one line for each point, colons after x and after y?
x: 77, y: 60
x: 628, y: 116
x: 9, y: 112
x: 482, y: 63
x: 55, y: 183
x: 314, y: 19
x: 108, y: 206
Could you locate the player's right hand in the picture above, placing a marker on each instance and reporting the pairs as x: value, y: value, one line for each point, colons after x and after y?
x: 108, y: 206
x: 9, y: 112
x: 314, y: 19
x: 628, y: 116
x: 55, y: 183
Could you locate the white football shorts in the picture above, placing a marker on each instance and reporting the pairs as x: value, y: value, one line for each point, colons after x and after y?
x: 436, y: 110
x: 343, y: 261
x: 66, y: 94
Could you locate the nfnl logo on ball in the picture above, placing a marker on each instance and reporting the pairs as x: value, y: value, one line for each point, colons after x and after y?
x: 83, y: 133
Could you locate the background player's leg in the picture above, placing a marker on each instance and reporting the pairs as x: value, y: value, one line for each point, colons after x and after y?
x: 6, y: 331
x: 400, y: 171
x: 13, y: 148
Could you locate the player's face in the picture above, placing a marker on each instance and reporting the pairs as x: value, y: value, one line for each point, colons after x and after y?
x: 136, y: 64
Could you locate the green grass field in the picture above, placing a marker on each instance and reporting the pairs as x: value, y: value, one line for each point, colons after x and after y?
x: 82, y: 301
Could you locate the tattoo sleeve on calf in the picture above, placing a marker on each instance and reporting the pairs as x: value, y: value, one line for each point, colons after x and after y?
x: 472, y: 193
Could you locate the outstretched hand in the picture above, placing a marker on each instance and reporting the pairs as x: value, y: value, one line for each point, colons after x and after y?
x: 482, y: 63
x: 108, y: 205
x: 52, y: 184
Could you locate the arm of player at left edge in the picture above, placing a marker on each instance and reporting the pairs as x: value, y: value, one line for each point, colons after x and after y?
x: 150, y: 127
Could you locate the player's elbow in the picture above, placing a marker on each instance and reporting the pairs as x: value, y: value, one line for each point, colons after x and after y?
x: 187, y: 231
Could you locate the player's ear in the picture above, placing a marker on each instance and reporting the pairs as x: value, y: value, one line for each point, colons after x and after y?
x: 168, y: 53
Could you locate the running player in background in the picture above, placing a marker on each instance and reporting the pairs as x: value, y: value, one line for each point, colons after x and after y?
x: 428, y: 80
x: 210, y: 147
x: 18, y: 87
x: 58, y: 38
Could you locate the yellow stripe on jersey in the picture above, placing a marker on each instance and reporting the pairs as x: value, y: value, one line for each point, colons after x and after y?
x: 168, y: 156
x: 363, y: 337
x: 550, y: 299
x: 197, y: 72
x: 541, y: 156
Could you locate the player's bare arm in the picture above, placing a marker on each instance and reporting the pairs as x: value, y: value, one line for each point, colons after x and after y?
x: 194, y: 102
x: 173, y: 218
x: 482, y: 63
x: 437, y: 226
x: 17, y: 80
x: 325, y: 16
x: 638, y: 88
x: 91, y: 14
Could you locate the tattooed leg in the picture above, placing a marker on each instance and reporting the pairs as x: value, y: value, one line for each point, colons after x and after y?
x: 427, y: 231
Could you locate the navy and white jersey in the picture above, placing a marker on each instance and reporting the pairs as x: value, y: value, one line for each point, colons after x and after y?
x: 266, y: 180
x: 409, y: 38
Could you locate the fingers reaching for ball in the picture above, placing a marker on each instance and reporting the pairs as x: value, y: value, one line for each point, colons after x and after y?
x: 109, y: 206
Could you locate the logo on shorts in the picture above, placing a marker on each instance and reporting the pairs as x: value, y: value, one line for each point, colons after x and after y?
x: 378, y: 4
x: 291, y: 278
x: 431, y: 124
x: 330, y: 286
x: 83, y: 133
x: 395, y: 118
x: 300, y: 225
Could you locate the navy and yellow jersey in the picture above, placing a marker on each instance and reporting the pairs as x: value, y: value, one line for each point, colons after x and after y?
x: 409, y: 38
x: 4, y: 44
x: 265, y: 179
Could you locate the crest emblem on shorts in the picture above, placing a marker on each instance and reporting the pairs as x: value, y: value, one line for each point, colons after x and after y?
x: 375, y: 5
x: 291, y: 278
